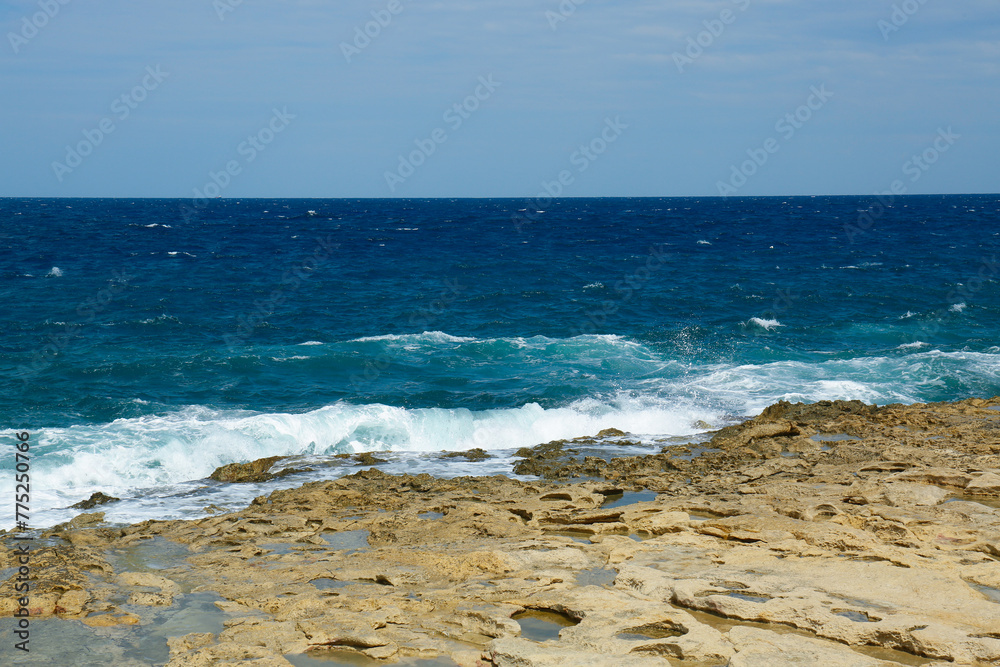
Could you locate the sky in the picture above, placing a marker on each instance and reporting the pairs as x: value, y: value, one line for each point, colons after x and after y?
x: 498, y: 98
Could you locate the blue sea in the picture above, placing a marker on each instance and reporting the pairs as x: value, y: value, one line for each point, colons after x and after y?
x: 146, y: 342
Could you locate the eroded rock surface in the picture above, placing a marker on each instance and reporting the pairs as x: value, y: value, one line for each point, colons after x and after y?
x: 830, y: 534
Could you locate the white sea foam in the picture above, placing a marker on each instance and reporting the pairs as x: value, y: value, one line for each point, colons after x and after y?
x: 425, y: 337
x: 913, y: 346
x: 54, y: 272
x: 311, y: 342
x: 127, y: 456
x: 153, y: 458
x: 770, y: 325
x: 957, y: 307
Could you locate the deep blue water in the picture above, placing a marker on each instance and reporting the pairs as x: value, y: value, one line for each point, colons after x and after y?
x: 144, y: 342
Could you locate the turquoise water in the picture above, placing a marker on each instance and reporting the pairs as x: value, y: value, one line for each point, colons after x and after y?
x: 142, y: 349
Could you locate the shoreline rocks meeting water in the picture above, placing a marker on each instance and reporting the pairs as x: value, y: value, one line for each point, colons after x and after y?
x: 835, y: 533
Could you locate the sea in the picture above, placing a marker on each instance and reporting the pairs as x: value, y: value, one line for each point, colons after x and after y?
x: 146, y: 342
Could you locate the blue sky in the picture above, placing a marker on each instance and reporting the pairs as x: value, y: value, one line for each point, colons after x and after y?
x: 558, y: 79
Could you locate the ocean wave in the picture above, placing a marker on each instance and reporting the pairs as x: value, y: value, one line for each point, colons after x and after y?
x: 54, y: 272
x: 156, y: 450
x: 629, y: 386
x: 188, y: 444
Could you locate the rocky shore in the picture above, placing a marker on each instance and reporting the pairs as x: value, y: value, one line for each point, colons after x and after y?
x: 825, y: 534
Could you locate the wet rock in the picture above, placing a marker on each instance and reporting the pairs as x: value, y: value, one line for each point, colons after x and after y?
x: 806, y: 413
x: 547, y: 460
x: 111, y: 620
x: 610, y: 433
x: 368, y: 459
x: 473, y: 455
x: 243, y: 473
x: 94, y: 500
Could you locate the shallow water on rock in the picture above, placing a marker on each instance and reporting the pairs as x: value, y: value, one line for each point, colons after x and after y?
x: 324, y: 583
x: 70, y: 642
x: 349, y: 539
x: 154, y: 555
x: 856, y: 616
x: 58, y: 642
x: 431, y: 515
x: 628, y: 498
x: 575, y: 535
x: 696, y: 452
x: 760, y: 599
x: 194, y: 612
x: 990, y: 592
x: 982, y: 500
x: 596, y: 576
x: 540, y: 625
x: 836, y: 437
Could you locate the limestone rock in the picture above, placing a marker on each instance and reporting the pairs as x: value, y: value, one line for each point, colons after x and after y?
x: 523, y: 653
x: 759, y: 648
x: 986, y: 484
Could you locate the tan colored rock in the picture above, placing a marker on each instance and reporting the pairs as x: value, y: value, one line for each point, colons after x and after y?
x: 523, y: 653
x: 897, y: 494
x: 111, y: 620
x: 986, y: 484
x: 945, y: 477
x: 189, y: 642
x: 759, y: 648
x: 149, y: 580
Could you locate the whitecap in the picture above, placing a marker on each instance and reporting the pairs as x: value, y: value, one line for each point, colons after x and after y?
x: 767, y: 324
x: 54, y: 272
x: 427, y: 336
x: 957, y: 307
